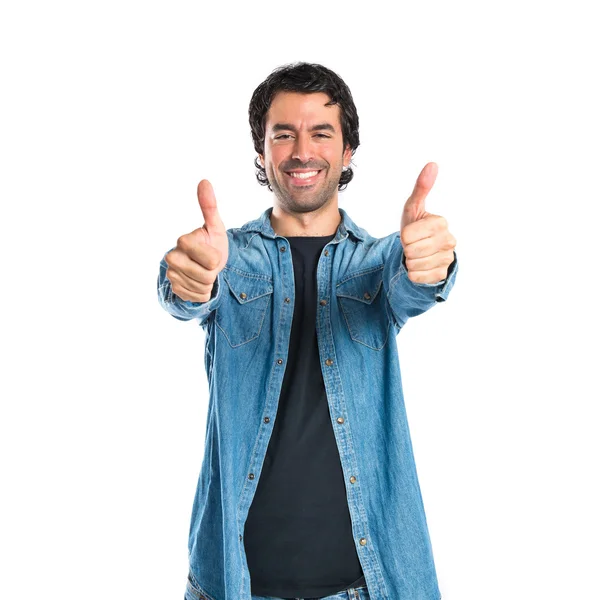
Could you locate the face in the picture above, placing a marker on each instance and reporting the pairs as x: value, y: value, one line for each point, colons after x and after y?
x: 304, y: 152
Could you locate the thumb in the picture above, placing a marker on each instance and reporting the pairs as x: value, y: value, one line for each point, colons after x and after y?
x: 414, y: 208
x: 208, y: 206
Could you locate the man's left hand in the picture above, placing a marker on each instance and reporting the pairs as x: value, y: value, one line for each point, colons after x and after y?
x: 428, y: 245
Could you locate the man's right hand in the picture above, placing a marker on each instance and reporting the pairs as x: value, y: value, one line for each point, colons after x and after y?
x: 200, y: 255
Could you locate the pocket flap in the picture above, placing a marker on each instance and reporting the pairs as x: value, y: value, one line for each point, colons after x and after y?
x: 247, y: 286
x: 363, y: 287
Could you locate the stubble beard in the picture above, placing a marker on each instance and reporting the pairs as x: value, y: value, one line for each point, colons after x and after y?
x: 305, y: 201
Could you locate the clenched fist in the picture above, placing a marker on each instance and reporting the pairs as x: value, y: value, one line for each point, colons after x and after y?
x: 200, y: 255
x: 427, y: 243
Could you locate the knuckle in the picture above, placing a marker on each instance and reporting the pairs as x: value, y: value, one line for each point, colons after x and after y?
x: 180, y: 292
x: 442, y: 222
x: 214, y: 261
x: 182, y: 242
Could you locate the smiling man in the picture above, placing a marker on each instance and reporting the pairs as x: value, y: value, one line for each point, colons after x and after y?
x: 308, y: 486
x: 303, y: 158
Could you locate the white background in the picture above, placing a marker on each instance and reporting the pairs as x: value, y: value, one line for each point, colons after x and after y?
x: 111, y: 114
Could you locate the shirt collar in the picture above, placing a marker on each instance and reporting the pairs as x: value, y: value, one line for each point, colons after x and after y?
x: 346, y: 226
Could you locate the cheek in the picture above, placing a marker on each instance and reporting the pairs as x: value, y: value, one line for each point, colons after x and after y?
x: 334, y: 156
x: 270, y: 162
x: 277, y: 155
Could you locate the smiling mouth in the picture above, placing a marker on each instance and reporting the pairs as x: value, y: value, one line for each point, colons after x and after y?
x: 303, y: 177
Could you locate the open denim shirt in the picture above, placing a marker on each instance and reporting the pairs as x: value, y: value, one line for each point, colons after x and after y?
x: 364, y: 299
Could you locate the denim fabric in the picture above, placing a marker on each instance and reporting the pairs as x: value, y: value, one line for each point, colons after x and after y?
x: 194, y: 592
x: 360, y: 593
x: 365, y: 297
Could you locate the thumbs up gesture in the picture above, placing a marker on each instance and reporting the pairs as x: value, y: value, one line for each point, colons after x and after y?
x: 200, y: 255
x: 427, y: 243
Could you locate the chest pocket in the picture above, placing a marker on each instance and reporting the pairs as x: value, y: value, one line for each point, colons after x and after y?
x: 242, y: 312
x: 361, y: 298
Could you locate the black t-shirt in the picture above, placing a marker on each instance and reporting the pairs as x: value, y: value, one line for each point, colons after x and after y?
x: 298, y: 534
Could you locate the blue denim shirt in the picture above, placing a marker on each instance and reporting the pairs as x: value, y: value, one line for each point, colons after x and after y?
x: 364, y: 299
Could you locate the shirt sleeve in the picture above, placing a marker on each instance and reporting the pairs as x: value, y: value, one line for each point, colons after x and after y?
x: 185, y: 310
x: 407, y: 298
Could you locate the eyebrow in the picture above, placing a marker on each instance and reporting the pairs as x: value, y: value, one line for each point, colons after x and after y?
x: 290, y: 127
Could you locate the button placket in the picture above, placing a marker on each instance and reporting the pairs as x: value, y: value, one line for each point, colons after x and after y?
x: 329, y: 361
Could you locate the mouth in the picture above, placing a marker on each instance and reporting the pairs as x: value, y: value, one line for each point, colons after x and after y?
x: 303, y: 177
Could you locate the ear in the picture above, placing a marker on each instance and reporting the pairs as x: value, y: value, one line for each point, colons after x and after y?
x: 347, y: 156
x: 261, y: 158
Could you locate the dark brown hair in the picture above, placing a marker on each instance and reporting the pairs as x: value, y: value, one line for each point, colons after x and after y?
x: 304, y: 78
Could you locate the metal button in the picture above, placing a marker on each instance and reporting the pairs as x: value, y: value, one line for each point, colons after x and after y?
x: 323, y: 302
x: 283, y: 248
x: 267, y: 420
x: 326, y: 253
x: 240, y: 537
x: 251, y: 476
x: 243, y: 295
x: 362, y: 541
x: 287, y: 300
x: 367, y: 296
x: 352, y: 479
x: 340, y: 420
x: 328, y: 362
x: 279, y: 361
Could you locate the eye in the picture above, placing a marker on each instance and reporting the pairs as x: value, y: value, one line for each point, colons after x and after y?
x: 323, y: 135
x: 282, y: 136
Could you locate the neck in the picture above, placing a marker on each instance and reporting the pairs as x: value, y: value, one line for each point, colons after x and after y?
x: 322, y: 222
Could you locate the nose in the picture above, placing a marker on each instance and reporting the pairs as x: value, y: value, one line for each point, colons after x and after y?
x: 302, y: 148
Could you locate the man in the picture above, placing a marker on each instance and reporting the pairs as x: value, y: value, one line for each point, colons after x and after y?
x: 308, y: 486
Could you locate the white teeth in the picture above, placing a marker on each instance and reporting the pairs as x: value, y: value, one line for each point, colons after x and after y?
x: 304, y: 175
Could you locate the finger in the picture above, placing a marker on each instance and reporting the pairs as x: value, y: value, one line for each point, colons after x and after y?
x: 423, y: 185
x: 197, y: 280
x: 190, y: 247
x: 190, y: 296
x: 428, y: 262
x: 195, y: 276
x: 208, y: 205
x: 421, y: 249
x: 197, y: 262
x: 430, y: 276
x: 424, y: 228
x: 204, y: 255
